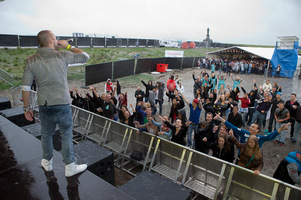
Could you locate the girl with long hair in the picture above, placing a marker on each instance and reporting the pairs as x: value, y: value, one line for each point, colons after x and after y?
x: 223, y: 149
x: 250, y: 153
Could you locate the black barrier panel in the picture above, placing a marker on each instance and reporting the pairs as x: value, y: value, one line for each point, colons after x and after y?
x: 187, y: 62
x: 84, y: 41
x: 28, y: 41
x: 8, y: 40
x: 173, y: 63
x: 111, y: 42
x: 67, y: 38
x: 124, y: 42
x: 147, y: 64
x: 98, y: 73
x: 123, y: 68
x: 119, y: 42
x: 151, y: 43
x: 132, y: 42
x: 142, y: 42
x: 98, y: 42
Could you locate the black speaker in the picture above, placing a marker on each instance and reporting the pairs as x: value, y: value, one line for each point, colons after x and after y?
x: 16, y: 116
x: 100, y: 161
x: 4, y: 103
x: 33, y: 129
x: 149, y: 186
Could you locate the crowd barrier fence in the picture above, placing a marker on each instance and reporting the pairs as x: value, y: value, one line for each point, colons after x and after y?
x: 113, y: 70
x: 201, y: 173
x: 7, y: 40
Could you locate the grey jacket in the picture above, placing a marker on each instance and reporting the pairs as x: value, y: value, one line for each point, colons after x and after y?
x: 49, y: 67
x: 152, y: 98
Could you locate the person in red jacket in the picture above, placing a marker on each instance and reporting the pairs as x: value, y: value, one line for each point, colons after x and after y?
x: 109, y: 86
x: 243, y: 110
x: 171, y: 86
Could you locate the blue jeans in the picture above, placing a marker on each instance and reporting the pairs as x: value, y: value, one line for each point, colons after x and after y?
x: 281, y: 136
x: 191, y: 127
x: 51, y: 116
x: 250, y: 69
x: 154, y: 110
x: 259, y: 117
x: 250, y: 115
x: 272, y: 119
x: 297, y: 129
x: 160, y: 105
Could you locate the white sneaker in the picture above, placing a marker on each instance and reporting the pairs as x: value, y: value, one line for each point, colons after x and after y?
x: 72, y: 169
x: 46, y: 164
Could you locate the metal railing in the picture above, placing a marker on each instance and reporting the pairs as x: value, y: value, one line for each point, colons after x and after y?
x: 18, y: 99
x: 203, y: 174
x: 7, y: 77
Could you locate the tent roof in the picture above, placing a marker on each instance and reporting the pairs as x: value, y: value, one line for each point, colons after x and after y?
x: 266, y: 53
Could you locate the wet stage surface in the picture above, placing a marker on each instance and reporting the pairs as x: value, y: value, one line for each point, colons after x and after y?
x: 22, y: 177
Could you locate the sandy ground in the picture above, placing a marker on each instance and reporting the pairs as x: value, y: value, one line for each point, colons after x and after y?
x: 273, y: 153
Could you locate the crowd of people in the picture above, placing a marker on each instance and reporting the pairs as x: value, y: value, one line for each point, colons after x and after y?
x: 233, y: 116
x: 243, y: 66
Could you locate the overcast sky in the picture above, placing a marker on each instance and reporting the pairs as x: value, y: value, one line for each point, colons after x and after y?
x: 230, y: 21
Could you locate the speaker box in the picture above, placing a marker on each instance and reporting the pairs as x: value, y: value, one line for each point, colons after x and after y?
x: 4, y: 103
x: 16, y: 116
x: 33, y: 129
x: 149, y: 186
x: 100, y: 161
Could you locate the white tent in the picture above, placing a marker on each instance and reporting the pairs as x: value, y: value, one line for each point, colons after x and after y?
x: 238, y: 51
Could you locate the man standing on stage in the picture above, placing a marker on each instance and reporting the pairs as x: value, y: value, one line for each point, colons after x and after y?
x: 49, y: 68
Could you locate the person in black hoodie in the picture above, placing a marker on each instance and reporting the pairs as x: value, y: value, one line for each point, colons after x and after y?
x: 139, y: 95
x: 148, y: 87
x: 223, y: 149
x: 235, y: 118
x: 251, y: 107
x: 182, y: 115
x: 289, y: 169
x: 176, y: 106
x: 292, y: 105
x: 204, y: 136
x: 297, y: 126
x: 274, y: 107
x: 128, y: 119
x: 178, y: 131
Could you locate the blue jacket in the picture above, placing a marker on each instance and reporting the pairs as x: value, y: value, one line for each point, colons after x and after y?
x: 292, y: 158
x: 244, y: 135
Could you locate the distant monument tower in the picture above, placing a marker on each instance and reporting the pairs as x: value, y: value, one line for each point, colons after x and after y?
x: 207, y: 41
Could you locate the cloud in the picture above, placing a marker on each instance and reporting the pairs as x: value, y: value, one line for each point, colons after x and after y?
x: 232, y: 21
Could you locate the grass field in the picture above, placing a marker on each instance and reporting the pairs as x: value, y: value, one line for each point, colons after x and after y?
x: 12, y: 61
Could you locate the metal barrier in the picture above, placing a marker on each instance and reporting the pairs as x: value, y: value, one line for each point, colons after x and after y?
x: 203, y: 174
x: 18, y: 99
x: 7, y: 77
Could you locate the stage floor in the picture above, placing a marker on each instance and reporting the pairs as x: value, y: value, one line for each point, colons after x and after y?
x: 22, y: 177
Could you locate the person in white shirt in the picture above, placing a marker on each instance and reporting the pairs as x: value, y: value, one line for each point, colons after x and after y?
x: 267, y: 86
x: 180, y: 87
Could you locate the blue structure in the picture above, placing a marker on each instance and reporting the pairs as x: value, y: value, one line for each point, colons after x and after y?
x: 287, y: 58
